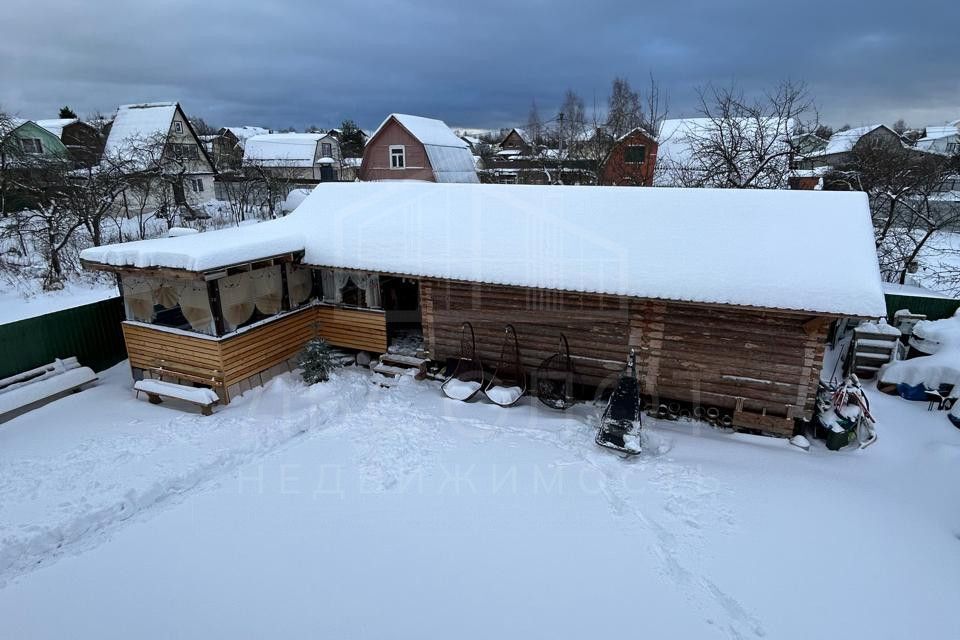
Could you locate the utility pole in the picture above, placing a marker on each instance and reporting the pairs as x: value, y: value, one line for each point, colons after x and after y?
x: 560, y: 151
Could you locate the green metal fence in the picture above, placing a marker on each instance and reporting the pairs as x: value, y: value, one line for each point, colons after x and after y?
x: 91, y: 333
x: 933, y: 308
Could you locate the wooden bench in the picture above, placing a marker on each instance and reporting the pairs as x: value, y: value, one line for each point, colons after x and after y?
x: 156, y: 390
x: 34, y: 388
x: 212, y: 378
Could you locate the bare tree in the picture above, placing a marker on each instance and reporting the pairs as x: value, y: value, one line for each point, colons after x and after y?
x: 741, y: 142
x: 656, y: 107
x: 534, y: 125
x: 624, y: 109
x: 911, y: 201
x: 246, y: 194
x: 275, y: 181
x: 44, y: 222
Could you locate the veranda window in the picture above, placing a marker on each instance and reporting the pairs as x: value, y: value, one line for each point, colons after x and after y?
x: 169, y: 303
x: 351, y: 288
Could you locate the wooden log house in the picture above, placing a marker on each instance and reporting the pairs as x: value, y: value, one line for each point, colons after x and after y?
x: 726, y: 296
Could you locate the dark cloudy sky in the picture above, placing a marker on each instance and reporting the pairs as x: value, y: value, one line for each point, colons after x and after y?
x: 285, y: 63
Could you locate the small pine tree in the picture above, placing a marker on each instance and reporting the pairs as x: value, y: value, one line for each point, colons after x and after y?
x: 67, y: 112
x: 317, y: 361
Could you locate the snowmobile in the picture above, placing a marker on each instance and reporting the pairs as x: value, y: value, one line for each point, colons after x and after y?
x: 620, y: 423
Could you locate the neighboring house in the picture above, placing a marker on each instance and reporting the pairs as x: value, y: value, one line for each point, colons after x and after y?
x: 82, y: 140
x: 350, y: 169
x: 519, y: 159
x: 942, y: 139
x: 631, y: 161
x: 518, y: 140
x: 698, y: 283
x: 157, y: 136
x: 408, y: 147
x: 840, y: 148
x: 25, y: 141
x: 25, y: 147
x: 807, y: 179
x: 226, y: 147
x: 308, y: 158
x: 809, y: 143
x: 473, y: 141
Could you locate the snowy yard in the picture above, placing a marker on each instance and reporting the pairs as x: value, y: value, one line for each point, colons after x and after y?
x: 348, y: 510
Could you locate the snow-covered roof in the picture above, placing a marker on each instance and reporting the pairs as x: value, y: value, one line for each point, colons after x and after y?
x: 912, y: 290
x: 844, y: 141
x: 283, y: 149
x: 203, y: 251
x: 522, y: 133
x: 762, y: 248
x: 245, y: 132
x: 138, y: 122
x: 934, y: 132
x: 56, y: 125
x: 429, y: 131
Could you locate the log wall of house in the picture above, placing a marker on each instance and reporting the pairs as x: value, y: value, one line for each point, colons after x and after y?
x: 752, y: 361
x: 597, y: 327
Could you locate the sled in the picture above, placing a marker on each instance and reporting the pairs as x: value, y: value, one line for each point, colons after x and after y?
x: 509, y: 382
x: 555, y: 378
x: 620, y: 423
x: 467, y: 377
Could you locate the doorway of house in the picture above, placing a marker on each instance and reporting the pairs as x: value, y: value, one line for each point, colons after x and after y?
x: 400, y: 298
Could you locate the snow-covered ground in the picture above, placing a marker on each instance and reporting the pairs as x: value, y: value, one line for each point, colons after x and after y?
x: 349, y: 510
x: 27, y: 300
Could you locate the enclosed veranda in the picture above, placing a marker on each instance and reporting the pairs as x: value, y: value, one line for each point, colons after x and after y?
x: 235, y: 327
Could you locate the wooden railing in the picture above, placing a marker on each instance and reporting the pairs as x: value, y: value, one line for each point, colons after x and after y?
x: 252, y: 350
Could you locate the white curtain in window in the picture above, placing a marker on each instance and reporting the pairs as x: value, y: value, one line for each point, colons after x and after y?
x: 340, y: 279
x: 329, y: 283
x: 166, y: 293
x: 267, y: 289
x: 195, y: 307
x: 299, y: 284
x: 370, y: 284
x: 236, y: 301
x: 138, y: 296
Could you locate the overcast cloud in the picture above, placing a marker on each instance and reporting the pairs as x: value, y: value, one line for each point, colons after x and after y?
x: 297, y: 63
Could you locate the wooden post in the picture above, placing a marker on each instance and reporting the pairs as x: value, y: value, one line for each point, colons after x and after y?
x: 284, y: 294
x: 213, y: 293
x: 316, y: 278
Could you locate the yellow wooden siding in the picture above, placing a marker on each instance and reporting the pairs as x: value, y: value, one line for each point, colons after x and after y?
x: 257, y: 349
x: 146, y: 346
x: 355, y: 328
x: 266, y: 346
